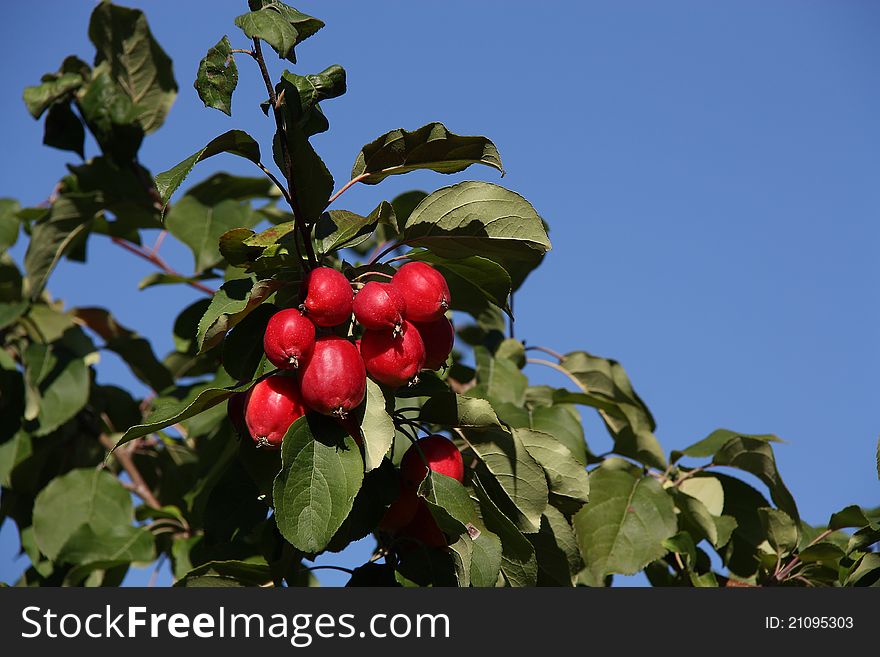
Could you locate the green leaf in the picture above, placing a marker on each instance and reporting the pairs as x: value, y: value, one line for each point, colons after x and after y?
x: 682, y: 543
x: 53, y: 88
x: 478, y: 218
x: 452, y: 410
x: 87, y: 496
x: 606, y: 387
x: 135, y: 350
x: 755, y: 456
x: 448, y: 502
x: 64, y: 129
x: 12, y: 452
x: 111, y: 115
x: 243, y: 346
x: 229, y: 305
x: 498, y: 380
x: 60, y: 379
x: 851, y: 516
x: 223, y: 186
x: 217, y: 77
x: 109, y: 547
x: 710, y: 445
x: 320, y: 476
x: 381, y: 486
x: 485, y: 558
x: 866, y: 572
x: 200, y: 226
x: 706, y: 489
x: 341, y: 229
x: 228, y: 574
x: 473, y: 281
x: 563, y: 422
x: 430, y: 147
x: 567, y: 479
x: 821, y: 552
x: 9, y: 222
x: 695, y: 518
x: 53, y: 237
x: 178, y: 406
x: 511, y: 476
x: 310, y: 90
x: 312, y: 179
x: 137, y: 62
x: 623, y: 527
x: 236, y: 142
x: 557, y: 551
x: 519, y: 564
x: 377, y: 428
x: 279, y: 25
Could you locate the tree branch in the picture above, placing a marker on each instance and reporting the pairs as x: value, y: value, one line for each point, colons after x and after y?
x: 123, y: 457
x: 280, y: 134
x: 154, y: 258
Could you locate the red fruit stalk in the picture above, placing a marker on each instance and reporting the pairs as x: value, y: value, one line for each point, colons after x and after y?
x: 273, y: 405
x: 327, y: 297
x: 333, y: 380
x: 425, y: 291
x: 289, y: 339
x: 393, y: 361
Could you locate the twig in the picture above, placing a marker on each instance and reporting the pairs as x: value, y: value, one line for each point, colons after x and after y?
x: 690, y: 473
x: 346, y: 186
x: 158, y: 244
x: 299, y: 220
x: 275, y: 180
x: 547, y: 351
x: 339, y: 568
x: 782, y: 574
x: 139, y: 486
x: 558, y: 368
x: 159, y: 262
x: 385, y: 252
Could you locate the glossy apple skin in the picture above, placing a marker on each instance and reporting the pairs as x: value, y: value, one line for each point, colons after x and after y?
x: 273, y: 405
x: 289, y: 339
x: 393, y: 361
x: 333, y: 380
x: 425, y: 291
x: 442, y: 456
x: 438, y: 337
x: 327, y: 297
x: 379, y: 306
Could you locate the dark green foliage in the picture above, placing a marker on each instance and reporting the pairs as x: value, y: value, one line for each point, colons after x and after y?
x: 536, y: 506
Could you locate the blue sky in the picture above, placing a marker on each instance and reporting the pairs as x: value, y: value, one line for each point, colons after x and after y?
x: 708, y: 171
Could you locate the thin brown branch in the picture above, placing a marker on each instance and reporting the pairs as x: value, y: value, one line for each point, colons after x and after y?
x: 155, y: 259
x: 276, y: 181
x: 138, y: 485
x: 346, y: 186
x: 558, y: 368
x: 547, y: 351
x: 786, y: 571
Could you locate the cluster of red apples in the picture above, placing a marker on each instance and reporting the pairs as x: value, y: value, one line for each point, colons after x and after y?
x: 404, y: 330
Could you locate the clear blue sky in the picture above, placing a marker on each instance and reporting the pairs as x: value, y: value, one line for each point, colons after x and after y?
x: 709, y: 172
